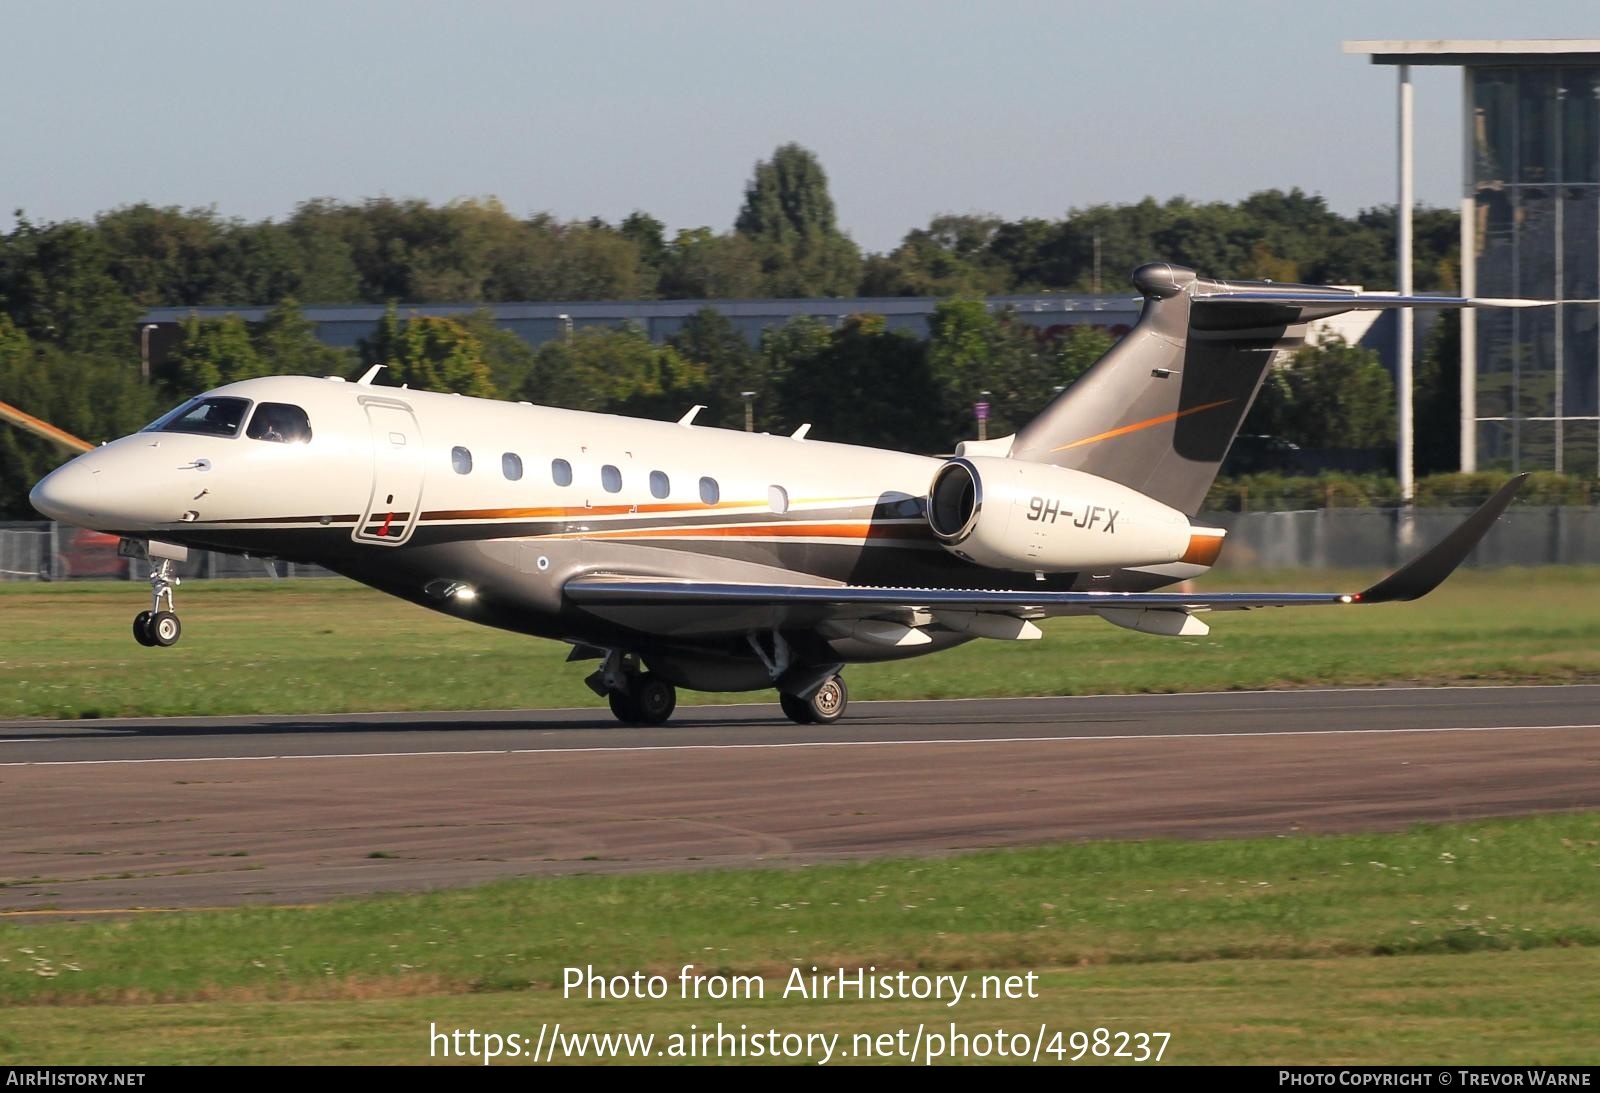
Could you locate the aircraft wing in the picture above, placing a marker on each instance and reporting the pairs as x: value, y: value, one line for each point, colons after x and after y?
x: 673, y: 605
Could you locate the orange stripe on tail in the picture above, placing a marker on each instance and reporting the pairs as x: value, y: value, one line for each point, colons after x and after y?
x: 1162, y: 419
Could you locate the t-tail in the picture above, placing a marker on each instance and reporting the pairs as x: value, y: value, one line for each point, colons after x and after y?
x: 1159, y: 411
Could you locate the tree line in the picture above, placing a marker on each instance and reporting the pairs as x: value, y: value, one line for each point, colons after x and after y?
x: 72, y: 292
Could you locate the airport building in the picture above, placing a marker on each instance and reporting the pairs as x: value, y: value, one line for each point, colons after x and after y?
x: 346, y: 325
x: 537, y: 323
x: 1530, y: 228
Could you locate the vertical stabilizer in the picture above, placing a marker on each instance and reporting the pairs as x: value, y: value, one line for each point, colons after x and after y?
x: 1159, y: 411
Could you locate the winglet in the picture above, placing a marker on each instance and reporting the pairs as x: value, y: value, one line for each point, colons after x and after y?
x: 1428, y: 570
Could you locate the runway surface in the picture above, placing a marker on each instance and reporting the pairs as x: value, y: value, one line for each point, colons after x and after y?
x: 175, y: 812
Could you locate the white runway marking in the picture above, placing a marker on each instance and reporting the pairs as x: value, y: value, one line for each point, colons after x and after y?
x: 797, y: 744
x: 474, y: 716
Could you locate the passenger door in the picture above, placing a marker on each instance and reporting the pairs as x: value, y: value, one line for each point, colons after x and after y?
x: 397, y: 473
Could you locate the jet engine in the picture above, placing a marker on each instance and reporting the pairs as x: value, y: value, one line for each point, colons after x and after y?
x: 1011, y: 514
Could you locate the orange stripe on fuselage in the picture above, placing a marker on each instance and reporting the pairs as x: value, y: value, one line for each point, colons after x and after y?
x: 763, y: 531
x: 563, y: 512
x: 1123, y: 430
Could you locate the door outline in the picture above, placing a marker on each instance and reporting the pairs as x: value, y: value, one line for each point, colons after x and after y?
x: 398, y: 472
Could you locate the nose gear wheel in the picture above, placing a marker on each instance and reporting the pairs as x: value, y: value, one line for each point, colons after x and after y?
x: 159, y: 626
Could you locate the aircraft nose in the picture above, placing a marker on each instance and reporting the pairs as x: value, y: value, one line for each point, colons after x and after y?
x: 72, y: 494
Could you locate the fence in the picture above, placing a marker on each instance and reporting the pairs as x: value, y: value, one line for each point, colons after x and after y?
x: 1384, y: 538
x: 1307, y: 539
x: 45, y: 551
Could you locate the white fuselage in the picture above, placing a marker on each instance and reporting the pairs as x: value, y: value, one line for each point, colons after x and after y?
x: 415, y: 492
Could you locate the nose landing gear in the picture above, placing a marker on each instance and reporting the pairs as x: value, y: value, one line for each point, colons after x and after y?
x: 159, y: 626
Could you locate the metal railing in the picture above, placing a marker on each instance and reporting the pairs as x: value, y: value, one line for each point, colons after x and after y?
x: 46, y: 551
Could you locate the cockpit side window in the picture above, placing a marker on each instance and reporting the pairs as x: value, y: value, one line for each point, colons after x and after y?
x: 280, y: 422
x: 216, y: 416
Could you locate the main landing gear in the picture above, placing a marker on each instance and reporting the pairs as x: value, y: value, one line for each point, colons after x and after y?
x: 159, y: 626
x: 641, y: 697
x: 637, y: 697
x: 824, y: 707
x: 649, y: 701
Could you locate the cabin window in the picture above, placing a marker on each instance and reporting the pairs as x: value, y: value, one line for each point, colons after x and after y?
x: 511, y: 466
x: 660, y: 486
x: 206, y: 416
x: 611, y: 478
x: 561, y: 472
x: 710, y: 493
x: 778, y: 499
x: 461, y: 460
x: 279, y: 422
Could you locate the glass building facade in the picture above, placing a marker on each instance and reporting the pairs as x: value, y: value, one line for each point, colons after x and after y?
x: 1533, y: 188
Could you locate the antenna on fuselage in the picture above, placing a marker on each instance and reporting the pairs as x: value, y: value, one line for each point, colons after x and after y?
x: 367, y: 376
x: 688, y: 419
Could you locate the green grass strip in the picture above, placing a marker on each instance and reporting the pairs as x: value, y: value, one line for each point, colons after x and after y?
x: 1457, y: 943
x: 1505, y: 885
x: 66, y: 651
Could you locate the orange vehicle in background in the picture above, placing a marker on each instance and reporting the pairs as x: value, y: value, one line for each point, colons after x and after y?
x: 81, y: 552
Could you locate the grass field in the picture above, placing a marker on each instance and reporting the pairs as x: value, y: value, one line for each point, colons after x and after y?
x: 1461, y: 943
x: 303, y: 646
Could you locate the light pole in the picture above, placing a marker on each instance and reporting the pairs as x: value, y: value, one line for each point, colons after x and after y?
x: 981, y: 411
x: 566, y: 326
x: 749, y: 410
x: 144, y: 351
x: 1403, y: 381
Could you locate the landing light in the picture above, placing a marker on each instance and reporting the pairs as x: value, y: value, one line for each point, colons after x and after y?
x: 452, y: 591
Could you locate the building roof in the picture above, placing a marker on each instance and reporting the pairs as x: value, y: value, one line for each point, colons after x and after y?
x: 1475, y: 52
x: 644, y: 310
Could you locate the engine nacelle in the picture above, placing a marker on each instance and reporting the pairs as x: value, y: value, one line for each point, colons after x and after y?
x: 1011, y: 514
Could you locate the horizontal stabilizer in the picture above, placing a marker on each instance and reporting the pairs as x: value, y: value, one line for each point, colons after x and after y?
x: 1352, y: 300
x: 1254, y: 307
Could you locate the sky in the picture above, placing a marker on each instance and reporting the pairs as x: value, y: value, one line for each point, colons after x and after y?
x: 1010, y: 107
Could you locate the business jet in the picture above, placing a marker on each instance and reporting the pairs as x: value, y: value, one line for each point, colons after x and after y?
x: 676, y: 555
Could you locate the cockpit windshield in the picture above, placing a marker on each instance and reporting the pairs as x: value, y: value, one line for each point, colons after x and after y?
x: 218, y: 416
x: 281, y: 422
